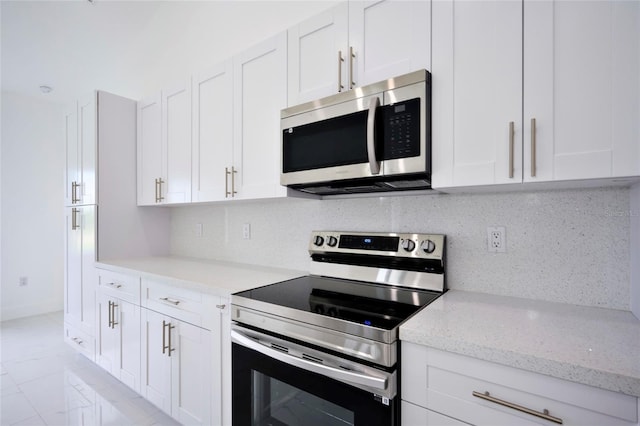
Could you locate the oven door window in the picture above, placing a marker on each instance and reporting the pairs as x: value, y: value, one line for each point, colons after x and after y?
x: 269, y: 392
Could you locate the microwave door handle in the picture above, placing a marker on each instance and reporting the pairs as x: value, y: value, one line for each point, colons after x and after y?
x: 374, y: 164
x: 344, y: 376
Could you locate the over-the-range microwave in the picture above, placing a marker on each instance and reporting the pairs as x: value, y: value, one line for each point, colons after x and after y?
x: 375, y: 138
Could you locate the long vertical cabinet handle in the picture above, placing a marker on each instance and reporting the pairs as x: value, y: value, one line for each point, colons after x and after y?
x: 110, y: 314
x: 340, y: 61
x: 74, y: 219
x: 511, y: 147
x: 169, y: 328
x: 160, y: 197
x: 226, y: 182
x: 73, y: 192
x: 113, y: 315
x: 533, y: 147
x: 352, y: 56
x: 157, y: 190
x: 374, y: 164
x: 233, y: 181
x: 164, y: 336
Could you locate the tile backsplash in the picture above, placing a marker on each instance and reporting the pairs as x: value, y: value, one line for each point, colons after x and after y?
x: 570, y: 246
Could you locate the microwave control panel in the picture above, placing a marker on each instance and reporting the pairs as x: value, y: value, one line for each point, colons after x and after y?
x: 401, y: 129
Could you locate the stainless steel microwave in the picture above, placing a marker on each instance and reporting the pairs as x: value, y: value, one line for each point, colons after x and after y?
x: 375, y: 138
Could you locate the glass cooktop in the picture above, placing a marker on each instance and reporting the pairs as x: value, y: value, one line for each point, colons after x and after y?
x: 369, y: 304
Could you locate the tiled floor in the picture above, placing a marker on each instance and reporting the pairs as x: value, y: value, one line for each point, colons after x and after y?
x: 45, y: 382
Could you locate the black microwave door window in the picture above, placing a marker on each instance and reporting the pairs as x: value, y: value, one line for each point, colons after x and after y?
x: 333, y: 142
x: 266, y: 391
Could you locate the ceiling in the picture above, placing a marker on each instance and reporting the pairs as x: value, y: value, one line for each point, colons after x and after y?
x: 128, y: 47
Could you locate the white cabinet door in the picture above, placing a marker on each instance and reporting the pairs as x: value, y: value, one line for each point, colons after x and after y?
x: 127, y: 318
x: 317, y: 60
x: 156, y: 363
x: 80, y: 255
x: 72, y: 169
x: 477, y: 93
x: 191, y: 374
x: 107, y: 345
x: 176, y: 140
x: 389, y: 38
x: 88, y: 134
x: 149, y: 149
x: 212, y: 143
x: 581, y: 85
x: 260, y: 92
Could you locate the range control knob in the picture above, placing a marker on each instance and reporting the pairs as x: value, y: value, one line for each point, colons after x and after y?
x: 332, y: 241
x: 408, y: 245
x: 318, y: 240
x: 428, y: 246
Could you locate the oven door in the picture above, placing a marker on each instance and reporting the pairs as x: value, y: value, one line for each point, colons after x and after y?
x: 296, y: 385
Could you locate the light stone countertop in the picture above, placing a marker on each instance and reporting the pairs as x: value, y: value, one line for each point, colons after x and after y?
x: 213, y: 277
x: 594, y: 346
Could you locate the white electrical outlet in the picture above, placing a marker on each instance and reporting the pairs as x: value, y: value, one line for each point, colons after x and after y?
x: 23, y: 281
x: 246, y: 231
x: 496, y: 239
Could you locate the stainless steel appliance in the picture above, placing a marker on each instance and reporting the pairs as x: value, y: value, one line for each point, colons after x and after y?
x: 323, y: 349
x: 370, y: 139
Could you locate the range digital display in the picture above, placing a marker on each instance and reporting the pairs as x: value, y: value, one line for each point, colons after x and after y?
x: 365, y: 242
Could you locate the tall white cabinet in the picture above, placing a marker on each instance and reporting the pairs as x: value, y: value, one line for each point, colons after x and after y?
x: 534, y: 91
x: 357, y: 43
x: 102, y: 219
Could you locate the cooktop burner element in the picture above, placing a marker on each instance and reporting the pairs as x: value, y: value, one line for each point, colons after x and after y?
x: 361, y: 288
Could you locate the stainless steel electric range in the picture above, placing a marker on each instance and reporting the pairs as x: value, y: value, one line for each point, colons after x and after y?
x: 323, y: 349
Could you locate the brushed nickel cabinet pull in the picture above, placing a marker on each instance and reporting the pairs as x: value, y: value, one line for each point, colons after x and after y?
x: 115, y: 285
x: 110, y: 302
x: 352, y: 56
x: 74, y: 219
x: 340, y: 61
x: 156, y: 190
x: 160, y: 197
x: 226, y: 182
x: 221, y: 306
x: 164, y: 336
x: 533, y: 147
x: 77, y: 340
x: 74, y: 185
x: 113, y: 315
x: 544, y: 414
x: 172, y: 301
x: 170, y: 327
x: 511, y: 137
x: 233, y: 181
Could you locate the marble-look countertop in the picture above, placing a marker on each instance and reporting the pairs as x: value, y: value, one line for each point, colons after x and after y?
x: 214, y: 277
x: 594, y: 346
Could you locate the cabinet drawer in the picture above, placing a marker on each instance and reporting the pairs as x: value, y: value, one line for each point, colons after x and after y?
x: 183, y: 304
x: 445, y: 382
x: 124, y: 287
x: 80, y: 341
x: 413, y: 415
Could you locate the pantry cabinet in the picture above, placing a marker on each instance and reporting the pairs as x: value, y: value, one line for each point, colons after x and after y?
x: 541, y: 96
x: 455, y: 389
x: 164, y: 146
x: 212, y: 142
x: 357, y: 43
x: 259, y: 93
x: 80, y: 145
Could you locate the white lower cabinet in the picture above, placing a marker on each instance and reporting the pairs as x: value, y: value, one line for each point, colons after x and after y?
x: 176, y: 366
x: 437, y: 383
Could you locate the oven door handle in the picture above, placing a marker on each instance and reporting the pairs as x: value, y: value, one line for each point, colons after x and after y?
x: 344, y: 376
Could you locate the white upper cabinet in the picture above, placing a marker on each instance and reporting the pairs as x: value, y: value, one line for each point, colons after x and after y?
x: 176, y: 141
x: 81, y: 146
x: 164, y: 146
x: 582, y: 87
x: 212, y: 143
x: 260, y: 92
x: 149, y: 149
x: 476, y: 92
x: 564, y: 73
x: 357, y: 43
x: 389, y: 38
x: 318, y: 50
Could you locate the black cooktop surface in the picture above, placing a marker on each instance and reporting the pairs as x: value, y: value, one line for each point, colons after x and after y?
x: 369, y: 304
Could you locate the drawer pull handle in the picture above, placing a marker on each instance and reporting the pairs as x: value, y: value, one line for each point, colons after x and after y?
x: 172, y: 301
x: 221, y: 306
x: 77, y: 340
x: 115, y: 285
x: 543, y: 415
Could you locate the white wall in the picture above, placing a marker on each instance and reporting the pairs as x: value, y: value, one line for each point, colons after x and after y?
x: 32, y: 206
x: 634, y: 213
x: 568, y: 246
